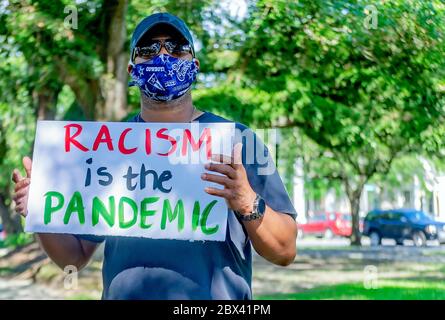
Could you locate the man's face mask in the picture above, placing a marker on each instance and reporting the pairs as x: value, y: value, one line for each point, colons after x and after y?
x: 164, y: 77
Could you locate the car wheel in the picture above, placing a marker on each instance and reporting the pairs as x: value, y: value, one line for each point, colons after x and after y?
x: 375, y: 238
x: 399, y: 242
x: 419, y: 239
x: 328, y: 234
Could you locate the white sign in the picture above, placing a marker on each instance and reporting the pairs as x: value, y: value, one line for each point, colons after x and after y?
x: 127, y: 179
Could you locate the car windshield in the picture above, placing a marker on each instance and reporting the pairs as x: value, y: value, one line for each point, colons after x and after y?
x: 418, y: 215
x: 318, y: 217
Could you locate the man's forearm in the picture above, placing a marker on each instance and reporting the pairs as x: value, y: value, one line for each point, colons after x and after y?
x: 64, y: 249
x: 274, y: 236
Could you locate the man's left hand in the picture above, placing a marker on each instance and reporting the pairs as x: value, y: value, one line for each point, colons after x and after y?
x: 237, y: 190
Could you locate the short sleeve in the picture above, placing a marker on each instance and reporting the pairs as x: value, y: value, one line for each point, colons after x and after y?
x: 262, y: 172
x: 90, y: 237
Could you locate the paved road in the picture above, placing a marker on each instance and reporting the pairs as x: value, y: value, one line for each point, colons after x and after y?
x: 25, y: 289
x: 344, y: 242
x: 388, y: 252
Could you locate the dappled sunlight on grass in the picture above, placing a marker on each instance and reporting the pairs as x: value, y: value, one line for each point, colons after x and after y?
x: 390, y: 289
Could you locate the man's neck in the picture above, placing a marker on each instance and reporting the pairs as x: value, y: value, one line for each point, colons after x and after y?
x: 178, y: 110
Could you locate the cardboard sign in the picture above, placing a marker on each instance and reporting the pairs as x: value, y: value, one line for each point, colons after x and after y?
x: 127, y: 179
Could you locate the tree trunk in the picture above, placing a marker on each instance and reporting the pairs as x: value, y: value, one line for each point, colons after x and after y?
x: 87, y: 90
x: 114, y: 82
x: 45, y: 101
x: 11, y: 220
x: 354, y: 201
x: 104, y: 97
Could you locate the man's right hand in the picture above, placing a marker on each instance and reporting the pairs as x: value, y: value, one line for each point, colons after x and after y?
x: 63, y: 249
x: 21, y: 190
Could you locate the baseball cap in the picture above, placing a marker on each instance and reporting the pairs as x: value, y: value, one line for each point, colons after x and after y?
x: 160, y: 18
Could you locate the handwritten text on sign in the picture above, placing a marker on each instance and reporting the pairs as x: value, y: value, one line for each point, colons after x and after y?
x: 127, y: 179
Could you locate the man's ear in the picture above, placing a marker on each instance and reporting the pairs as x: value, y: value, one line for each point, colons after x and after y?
x: 197, y: 62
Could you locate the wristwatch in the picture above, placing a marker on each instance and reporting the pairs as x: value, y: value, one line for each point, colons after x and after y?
x: 259, y: 208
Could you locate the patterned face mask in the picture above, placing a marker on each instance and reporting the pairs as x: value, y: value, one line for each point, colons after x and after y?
x: 164, y: 77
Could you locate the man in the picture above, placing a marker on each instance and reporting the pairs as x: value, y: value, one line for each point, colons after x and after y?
x: 163, y: 65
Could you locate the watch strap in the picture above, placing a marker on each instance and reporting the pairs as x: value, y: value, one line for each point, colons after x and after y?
x: 255, y: 214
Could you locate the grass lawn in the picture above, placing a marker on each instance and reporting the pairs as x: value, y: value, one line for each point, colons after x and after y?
x: 387, y: 290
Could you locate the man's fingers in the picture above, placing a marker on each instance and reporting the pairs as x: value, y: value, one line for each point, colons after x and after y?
x: 222, y: 180
x: 222, y: 158
x: 27, y: 163
x: 236, y: 160
x: 20, y: 194
x: 20, y: 209
x: 222, y: 168
x: 217, y: 192
x: 22, y: 184
x: 238, y: 155
x: 16, y: 176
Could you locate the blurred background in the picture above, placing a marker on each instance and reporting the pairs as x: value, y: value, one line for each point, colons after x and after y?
x: 352, y: 90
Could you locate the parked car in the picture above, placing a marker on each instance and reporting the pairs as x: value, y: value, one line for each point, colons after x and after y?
x: 327, y: 225
x: 402, y: 224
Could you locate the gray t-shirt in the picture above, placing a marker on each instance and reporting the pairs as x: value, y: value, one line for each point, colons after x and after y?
x: 142, y: 268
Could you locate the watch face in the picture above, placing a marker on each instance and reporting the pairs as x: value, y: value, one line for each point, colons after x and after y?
x: 261, y: 206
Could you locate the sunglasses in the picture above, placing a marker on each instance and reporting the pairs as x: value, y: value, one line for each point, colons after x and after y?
x: 152, y: 48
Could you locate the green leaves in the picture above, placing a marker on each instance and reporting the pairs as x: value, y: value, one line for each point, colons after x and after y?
x: 352, y: 97
x: 348, y: 87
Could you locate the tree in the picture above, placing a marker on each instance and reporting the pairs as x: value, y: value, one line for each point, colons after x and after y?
x: 17, y: 123
x: 88, y: 54
x: 49, y: 46
x: 364, y: 96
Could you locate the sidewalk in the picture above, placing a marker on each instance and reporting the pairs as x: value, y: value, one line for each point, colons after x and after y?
x: 25, y: 289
